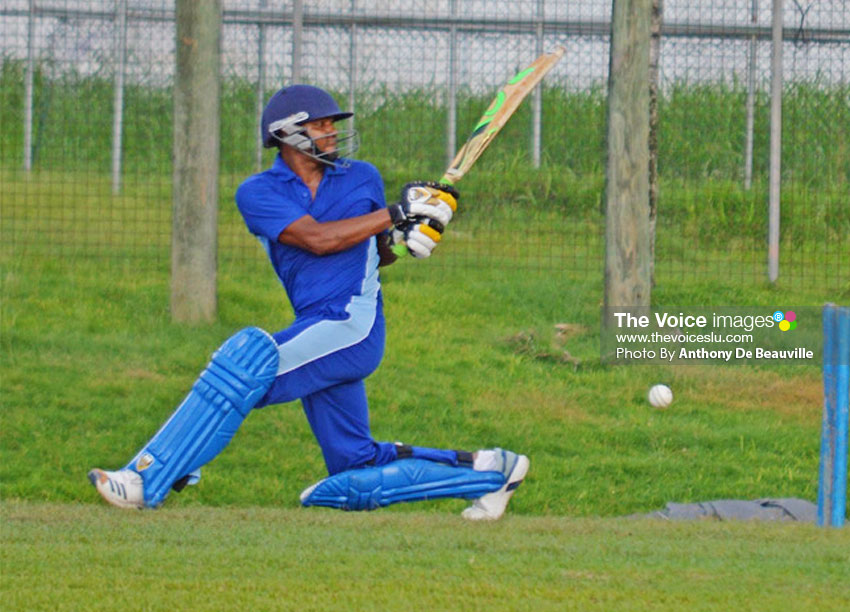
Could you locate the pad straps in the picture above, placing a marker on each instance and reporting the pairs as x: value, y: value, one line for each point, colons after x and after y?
x: 452, y: 457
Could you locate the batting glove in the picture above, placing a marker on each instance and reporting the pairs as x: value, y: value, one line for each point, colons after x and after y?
x: 425, y: 199
x: 418, y: 239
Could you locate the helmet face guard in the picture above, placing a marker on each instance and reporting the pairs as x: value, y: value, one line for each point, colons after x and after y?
x: 291, y: 131
x: 291, y: 107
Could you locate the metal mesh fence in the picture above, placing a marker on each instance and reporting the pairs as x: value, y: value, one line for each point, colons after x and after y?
x: 714, y: 137
x: 85, y: 92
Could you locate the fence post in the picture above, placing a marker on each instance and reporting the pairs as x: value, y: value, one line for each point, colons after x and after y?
x: 451, y: 119
x: 537, y: 99
x: 118, y: 100
x: 627, y: 282
x: 751, y: 95
x: 654, y: 60
x: 775, y: 145
x: 29, y: 79
x: 197, y: 91
x: 261, y: 84
x: 297, y: 38
x: 352, y: 67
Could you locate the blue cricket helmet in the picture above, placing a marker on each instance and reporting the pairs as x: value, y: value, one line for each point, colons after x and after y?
x: 314, y: 102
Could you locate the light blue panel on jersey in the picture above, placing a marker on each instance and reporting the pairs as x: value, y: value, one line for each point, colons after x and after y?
x: 404, y: 480
x: 238, y: 375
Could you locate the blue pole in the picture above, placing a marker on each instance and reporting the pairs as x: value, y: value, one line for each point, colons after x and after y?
x: 832, y: 477
x: 842, y: 379
x: 826, y: 470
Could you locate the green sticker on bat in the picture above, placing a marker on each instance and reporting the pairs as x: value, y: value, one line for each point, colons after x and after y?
x: 497, y: 104
x: 520, y: 76
x: 488, y: 114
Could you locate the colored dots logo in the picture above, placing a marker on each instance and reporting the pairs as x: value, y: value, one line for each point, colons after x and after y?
x: 787, y: 320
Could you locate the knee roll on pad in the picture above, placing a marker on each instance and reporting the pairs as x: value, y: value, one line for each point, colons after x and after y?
x: 404, y: 480
x: 236, y: 378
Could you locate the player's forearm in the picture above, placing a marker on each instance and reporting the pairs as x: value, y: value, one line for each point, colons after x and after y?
x: 334, y: 236
x: 343, y: 234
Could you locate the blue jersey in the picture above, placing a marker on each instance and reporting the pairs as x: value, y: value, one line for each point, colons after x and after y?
x: 271, y: 200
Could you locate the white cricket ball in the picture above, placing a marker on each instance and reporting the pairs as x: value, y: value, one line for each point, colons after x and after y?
x: 660, y: 396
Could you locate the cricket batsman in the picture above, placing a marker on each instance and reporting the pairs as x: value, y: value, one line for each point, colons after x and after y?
x: 326, y: 228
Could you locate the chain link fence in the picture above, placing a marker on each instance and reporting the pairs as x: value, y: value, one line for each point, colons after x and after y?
x: 85, y: 105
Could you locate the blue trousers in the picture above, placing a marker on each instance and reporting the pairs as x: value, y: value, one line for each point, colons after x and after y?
x: 324, y: 360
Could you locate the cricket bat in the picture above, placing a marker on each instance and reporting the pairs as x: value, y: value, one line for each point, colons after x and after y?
x: 508, y: 99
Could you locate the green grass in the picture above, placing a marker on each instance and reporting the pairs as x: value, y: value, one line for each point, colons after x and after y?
x: 92, y: 365
x: 709, y: 228
x: 83, y: 557
x: 710, y: 235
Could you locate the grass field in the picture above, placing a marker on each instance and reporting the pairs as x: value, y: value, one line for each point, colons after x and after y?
x: 92, y: 364
x: 58, y: 557
x: 90, y: 355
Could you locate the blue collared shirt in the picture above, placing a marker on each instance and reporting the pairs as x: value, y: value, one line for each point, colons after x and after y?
x: 271, y: 200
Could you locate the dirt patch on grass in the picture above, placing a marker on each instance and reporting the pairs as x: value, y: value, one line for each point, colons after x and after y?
x: 800, y: 397
x: 142, y: 374
x: 544, y: 405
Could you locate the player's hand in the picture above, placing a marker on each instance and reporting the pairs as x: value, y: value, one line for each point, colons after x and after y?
x: 416, y: 237
x: 425, y: 199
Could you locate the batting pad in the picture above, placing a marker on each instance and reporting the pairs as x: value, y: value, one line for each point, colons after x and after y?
x: 238, y: 375
x: 404, y: 480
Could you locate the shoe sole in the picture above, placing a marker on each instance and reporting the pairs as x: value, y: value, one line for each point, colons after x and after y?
x: 101, y: 483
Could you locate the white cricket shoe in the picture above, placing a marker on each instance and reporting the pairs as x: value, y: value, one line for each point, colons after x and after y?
x: 122, y: 488
x: 491, y: 506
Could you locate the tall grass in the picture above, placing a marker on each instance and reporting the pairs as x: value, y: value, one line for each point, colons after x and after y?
x: 709, y: 226
x: 701, y: 128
